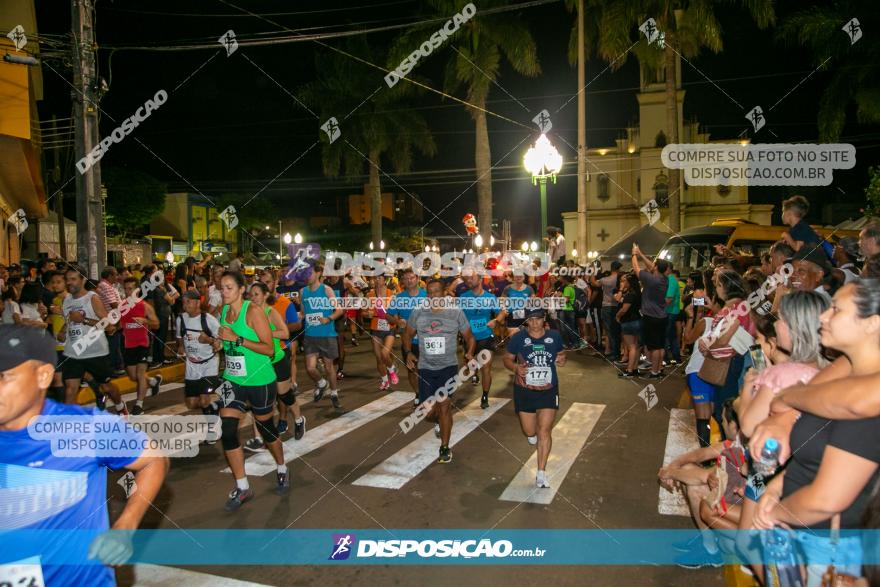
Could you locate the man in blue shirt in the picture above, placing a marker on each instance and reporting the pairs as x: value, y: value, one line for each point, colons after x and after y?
x: 58, y: 493
x: 480, y: 307
x: 401, y: 308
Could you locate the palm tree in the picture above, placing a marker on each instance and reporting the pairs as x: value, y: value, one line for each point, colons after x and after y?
x: 853, y: 77
x: 374, y: 125
x: 475, y: 52
x: 688, y: 26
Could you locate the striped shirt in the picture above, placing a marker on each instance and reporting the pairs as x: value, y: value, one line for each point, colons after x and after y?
x: 108, y: 294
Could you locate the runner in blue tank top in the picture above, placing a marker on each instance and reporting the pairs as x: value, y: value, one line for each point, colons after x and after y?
x: 480, y: 308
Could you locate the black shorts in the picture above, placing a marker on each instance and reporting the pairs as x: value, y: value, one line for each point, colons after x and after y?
x: 99, y: 367
x: 654, y: 332
x: 59, y: 360
x: 341, y: 324
x: 529, y: 400
x: 260, y: 399
x: 430, y: 380
x: 282, y: 367
x: 486, y: 344
x: 197, y: 387
x: 135, y: 355
x: 380, y: 335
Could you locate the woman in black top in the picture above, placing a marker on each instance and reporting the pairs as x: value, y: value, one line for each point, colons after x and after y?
x: 629, y: 316
x: 835, y: 467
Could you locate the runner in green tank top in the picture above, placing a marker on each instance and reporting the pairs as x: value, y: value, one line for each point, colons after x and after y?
x: 260, y: 297
x: 249, y: 385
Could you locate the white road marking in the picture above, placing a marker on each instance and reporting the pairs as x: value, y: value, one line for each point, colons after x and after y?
x: 569, y: 436
x: 263, y: 463
x: 395, y: 471
x: 161, y: 576
x: 681, y: 438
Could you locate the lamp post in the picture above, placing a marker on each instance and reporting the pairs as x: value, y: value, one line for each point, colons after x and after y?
x: 543, y: 161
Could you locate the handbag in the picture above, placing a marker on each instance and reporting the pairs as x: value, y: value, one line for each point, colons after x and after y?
x: 831, y: 578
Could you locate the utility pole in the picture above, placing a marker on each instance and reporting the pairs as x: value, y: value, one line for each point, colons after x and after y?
x: 582, y: 135
x: 90, y: 242
x: 56, y: 185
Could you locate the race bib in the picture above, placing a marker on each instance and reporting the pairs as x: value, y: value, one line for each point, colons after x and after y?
x: 25, y: 573
x: 478, y: 324
x: 236, y: 367
x: 191, y: 345
x: 75, y: 331
x: 132, y: 325
x: 382, y: 324
x: 435, y: 345
x: 538, y: 376
x: 313, y: 319
x: 519, y: 314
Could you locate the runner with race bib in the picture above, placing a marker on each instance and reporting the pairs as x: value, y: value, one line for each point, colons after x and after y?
x: 250, y: 385
x: 197, y: 335
x: 532, y: 355
x: 517, y: 296
x: 401, y: 309
x: 480, y: 307
x: 320, y: 311
x: 381, y: 332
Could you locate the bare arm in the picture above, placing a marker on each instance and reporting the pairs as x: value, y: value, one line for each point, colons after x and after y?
x: 152, y: 320
x: 281, y: 332
x: 470, y: 341
x: 851, y: 398
x: 257, y: 320
x: 756, y: 409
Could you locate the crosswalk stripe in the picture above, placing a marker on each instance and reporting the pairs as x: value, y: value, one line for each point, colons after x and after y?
x: 395, y: 471
x: 681, y: 438
x: 161, y: 576
x: 569, y: 436
x: 263, y: 463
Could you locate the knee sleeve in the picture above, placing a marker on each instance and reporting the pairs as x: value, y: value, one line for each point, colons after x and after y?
x: 288, y: 399
x: 267, y: 430
x: 229, y: 436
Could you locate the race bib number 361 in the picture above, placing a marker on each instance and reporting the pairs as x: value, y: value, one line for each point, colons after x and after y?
x: 435, y: 345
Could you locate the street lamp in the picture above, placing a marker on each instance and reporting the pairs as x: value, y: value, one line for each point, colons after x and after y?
x: 371, y: 245
x: 478, y: 241
x: 298, y: 239
x: 534, y: 246
x: 543, y: 161
x: 169, y: 257
x: 574, y: 253
x: 491, y: 241
x: 381, y: 245
x: 525, y: 247
x: 427, y: 248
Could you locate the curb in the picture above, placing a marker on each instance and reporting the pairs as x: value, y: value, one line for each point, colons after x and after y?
x: 125, y: 385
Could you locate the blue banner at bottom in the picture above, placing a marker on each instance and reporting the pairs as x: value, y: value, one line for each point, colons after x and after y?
x: 433, y: 547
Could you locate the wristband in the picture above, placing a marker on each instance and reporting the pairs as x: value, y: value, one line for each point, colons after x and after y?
x: 239, y: 341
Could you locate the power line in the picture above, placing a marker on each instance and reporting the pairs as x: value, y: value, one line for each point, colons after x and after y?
x: 235, y: 15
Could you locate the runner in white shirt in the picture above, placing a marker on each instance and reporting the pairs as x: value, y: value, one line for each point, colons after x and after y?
x: 196, y: 334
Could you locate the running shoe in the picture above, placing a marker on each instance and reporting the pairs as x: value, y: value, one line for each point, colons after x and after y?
x: 384, y: 385
x: 392, y: 375
x: 621, y: 362
x: 484, y: 402
x: 282, y: 426
x: 237, y: 497
x: 652, y: 376
x: 541, y: 480
x: 299, y: 428
x: 119, y: 373
x: 340, y: 374
x: 154, y: 389
x: 122, y: 409
x: 533, y: 440
x: 628, y: 374
x: 282, y: 487
x: 445, y: 455
x: 137, y: 410
x: 475, y: 379
x: 354, y: 341
x: 101, y: 401
x: 255, y: 445
x: 699, y: 557
x: 437, y: 430
x: 334, y: 399
x: 319, y: 391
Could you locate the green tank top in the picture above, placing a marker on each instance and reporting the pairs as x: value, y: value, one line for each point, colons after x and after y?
x: 244, y: 366
x: 279, y: 352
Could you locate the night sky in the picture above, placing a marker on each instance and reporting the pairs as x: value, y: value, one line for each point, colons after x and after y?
x: 230, y: 127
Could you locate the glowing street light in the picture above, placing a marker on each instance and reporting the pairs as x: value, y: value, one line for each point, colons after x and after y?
x: 574, y: 253
x: 371, y: 245
x: 543, y: 161
x: 427, y: 248
x: 381, y: 245
x: 533, y: 246
x: 298, y: 238
x: 491, y: 241
x: 478, y: 241
x: 525, y: 247
x: 287, y: 238
x: 169, y: 257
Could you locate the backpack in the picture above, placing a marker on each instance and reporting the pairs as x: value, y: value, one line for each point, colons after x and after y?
x: 204, y: 329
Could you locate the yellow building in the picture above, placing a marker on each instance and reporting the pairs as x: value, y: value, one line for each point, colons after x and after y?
x: 21, y: 86
x: 623, y: 177
x: 190, y: 224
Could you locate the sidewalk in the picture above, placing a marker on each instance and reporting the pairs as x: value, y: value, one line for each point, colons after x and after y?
x: 170, y: 373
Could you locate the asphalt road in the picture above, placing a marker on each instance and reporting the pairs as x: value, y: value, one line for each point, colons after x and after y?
x: 611, y: 483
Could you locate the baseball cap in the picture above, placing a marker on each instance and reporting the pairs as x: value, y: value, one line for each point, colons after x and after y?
x: 191, y: 295
x: 20, y: 343
x: 815, y: 255
x: 536, y: 313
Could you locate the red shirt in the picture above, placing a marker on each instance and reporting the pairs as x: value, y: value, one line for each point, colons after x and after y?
x: 135, y: 334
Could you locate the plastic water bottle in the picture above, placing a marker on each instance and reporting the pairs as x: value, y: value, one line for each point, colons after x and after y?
x: 768, y: 460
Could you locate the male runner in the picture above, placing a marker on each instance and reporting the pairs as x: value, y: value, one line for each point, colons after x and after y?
x: 400, y: 311
x: 533, y: 354
x: 437, y: 329
x: 136, y: 324
x: 197, y: 335
x: 480, y: 307
x: 320, y: 309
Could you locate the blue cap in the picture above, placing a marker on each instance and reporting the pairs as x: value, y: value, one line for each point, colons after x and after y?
x: 771, y: 444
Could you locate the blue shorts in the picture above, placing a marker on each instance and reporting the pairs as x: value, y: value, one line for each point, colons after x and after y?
x: 430, y: 380
x: 631, y: 328
x: 701, y: 391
